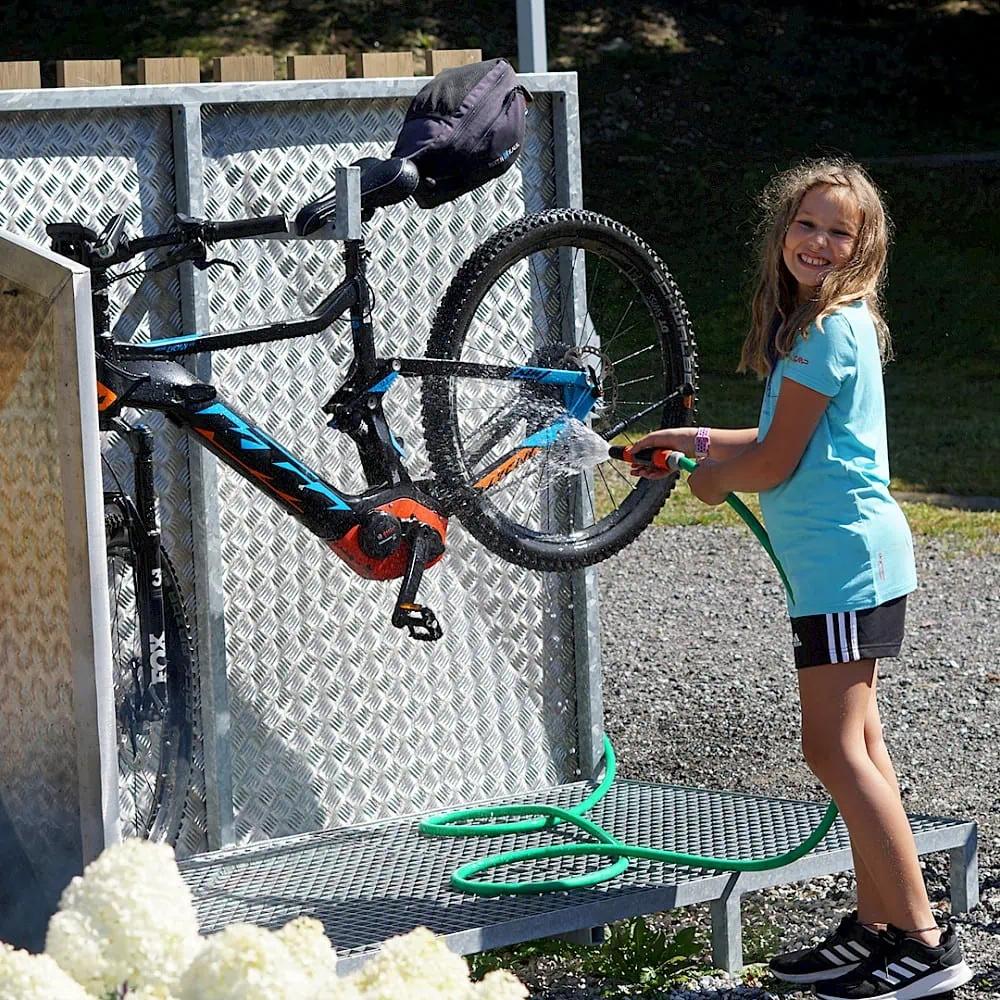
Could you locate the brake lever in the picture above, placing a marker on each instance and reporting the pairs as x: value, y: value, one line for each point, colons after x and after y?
x: 203, y: 265
x: 197, y: 253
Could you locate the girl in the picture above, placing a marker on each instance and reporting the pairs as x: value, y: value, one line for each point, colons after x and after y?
x: 818, y: 459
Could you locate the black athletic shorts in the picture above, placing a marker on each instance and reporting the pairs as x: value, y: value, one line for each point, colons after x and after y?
x: 846, y: 636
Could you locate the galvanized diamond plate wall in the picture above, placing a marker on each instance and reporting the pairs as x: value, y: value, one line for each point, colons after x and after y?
x: 57, y: 752
x: 86, y: 165
x: 337, y: 717
x: 334, y: 717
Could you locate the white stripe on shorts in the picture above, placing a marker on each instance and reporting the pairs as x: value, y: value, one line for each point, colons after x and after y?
x: 830, y: 640
x: 838, y: 624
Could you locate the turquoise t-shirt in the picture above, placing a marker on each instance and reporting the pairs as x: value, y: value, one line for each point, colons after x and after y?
x: 842, y: 539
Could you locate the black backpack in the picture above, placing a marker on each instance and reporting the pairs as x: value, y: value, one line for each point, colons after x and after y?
x: 463, y: 128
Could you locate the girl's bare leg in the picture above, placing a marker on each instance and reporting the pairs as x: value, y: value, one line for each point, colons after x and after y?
x: 836, y: 701
x: 871, y: 908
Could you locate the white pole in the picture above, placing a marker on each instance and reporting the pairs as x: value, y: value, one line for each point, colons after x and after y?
x: 532, y: 56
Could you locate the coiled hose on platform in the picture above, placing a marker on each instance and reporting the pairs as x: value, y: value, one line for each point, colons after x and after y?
x: 462, y: 823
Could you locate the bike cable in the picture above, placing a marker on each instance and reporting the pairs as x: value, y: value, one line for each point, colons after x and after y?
x: 461, y: 822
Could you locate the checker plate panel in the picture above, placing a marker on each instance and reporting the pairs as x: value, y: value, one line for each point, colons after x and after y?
x: 373, y: 882
x: 337, y: 718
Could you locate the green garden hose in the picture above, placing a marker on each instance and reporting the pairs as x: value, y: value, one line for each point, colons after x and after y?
x: 461, y: 823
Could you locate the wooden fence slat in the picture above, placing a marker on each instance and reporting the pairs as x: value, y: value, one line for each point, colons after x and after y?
x: 20, y: 76
x: 320, y: 67
x: 183, y: 69
x: 439, y: 59
x: 386, y: 64
x: 88, y: 73
x: 236, y: 69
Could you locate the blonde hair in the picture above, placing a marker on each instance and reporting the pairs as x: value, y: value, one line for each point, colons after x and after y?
x: 862, y: 278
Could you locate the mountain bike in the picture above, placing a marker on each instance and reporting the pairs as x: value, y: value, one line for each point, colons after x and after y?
x: 561, y: 316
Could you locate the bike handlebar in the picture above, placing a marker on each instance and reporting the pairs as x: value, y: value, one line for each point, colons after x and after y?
x: 190, y: 231
x: 267, y: 225
x: 204, y: 231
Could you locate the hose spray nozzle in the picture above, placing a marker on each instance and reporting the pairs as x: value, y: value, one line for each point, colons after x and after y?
x: 659, y: 458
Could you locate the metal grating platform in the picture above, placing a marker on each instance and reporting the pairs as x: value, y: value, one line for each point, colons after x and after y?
x: 368, y: 883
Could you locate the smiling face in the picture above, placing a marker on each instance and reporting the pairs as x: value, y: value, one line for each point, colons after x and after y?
x: 821, y: 236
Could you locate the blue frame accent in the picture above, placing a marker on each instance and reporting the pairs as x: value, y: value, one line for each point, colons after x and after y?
x: 579, y: 403
x: 255, y: 439
x: 552, y: 376
x: 386, y: 383
x: 170, y: 344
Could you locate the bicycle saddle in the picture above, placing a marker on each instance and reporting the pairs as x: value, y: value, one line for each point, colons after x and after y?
x: 383, y: 182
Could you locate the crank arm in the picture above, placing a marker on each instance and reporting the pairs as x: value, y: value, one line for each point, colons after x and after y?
x: 419, y: 620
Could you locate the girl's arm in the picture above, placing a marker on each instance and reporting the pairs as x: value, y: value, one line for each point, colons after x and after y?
x: 762, y: 466
x: 725, y: 442
x: 728, y: 442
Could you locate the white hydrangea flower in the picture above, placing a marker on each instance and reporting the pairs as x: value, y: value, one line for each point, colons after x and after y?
x: 344, y: 988
x: 244, y: 962
x: 150, y: 993
x: 310, y: 947
x: 24, y: 976
x: 128, y: 919
x: 418, y: 966
x: 500, y: 985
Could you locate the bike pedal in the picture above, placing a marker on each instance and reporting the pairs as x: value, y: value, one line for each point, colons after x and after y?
x: 419, y: 620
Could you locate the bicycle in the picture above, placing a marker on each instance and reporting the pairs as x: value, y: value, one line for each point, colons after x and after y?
x: 593, y: 329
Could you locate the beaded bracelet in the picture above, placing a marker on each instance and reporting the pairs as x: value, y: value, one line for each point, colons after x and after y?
x: 702, y: 443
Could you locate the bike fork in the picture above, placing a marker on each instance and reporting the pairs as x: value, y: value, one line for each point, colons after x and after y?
x: 145, y: 538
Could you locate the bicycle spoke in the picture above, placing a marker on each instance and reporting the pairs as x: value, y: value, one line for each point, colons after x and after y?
x: 636, y: 381
x: 636, y: 354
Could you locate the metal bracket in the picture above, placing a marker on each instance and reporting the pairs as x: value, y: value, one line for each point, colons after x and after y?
x: 727, y: 927
x: 347, y: 224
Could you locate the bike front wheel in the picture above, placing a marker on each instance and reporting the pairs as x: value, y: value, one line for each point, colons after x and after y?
x: 154, y: 747
x: 565, y: 289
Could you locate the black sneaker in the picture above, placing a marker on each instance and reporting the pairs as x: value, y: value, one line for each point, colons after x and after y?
x: 842, y: 952
x: 902, y: 968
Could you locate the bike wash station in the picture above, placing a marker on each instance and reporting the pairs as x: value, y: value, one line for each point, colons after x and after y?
x: 322, y: 736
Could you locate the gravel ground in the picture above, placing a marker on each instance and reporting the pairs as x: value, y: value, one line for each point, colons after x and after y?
x: 699, y: 689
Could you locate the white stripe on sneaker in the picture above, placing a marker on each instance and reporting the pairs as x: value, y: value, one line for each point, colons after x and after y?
x: 914, y: 963
x: 832, y: 956
x: 879, y: 974
x: 846, y: 952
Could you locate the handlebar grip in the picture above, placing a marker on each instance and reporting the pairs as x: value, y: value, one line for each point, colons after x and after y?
x: 246, y: 228
x: 143, y: 243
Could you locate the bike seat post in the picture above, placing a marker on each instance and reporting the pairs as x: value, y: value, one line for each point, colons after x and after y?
x: 347, y: 227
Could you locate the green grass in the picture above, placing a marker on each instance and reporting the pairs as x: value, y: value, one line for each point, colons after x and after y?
x: 976, y: 532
